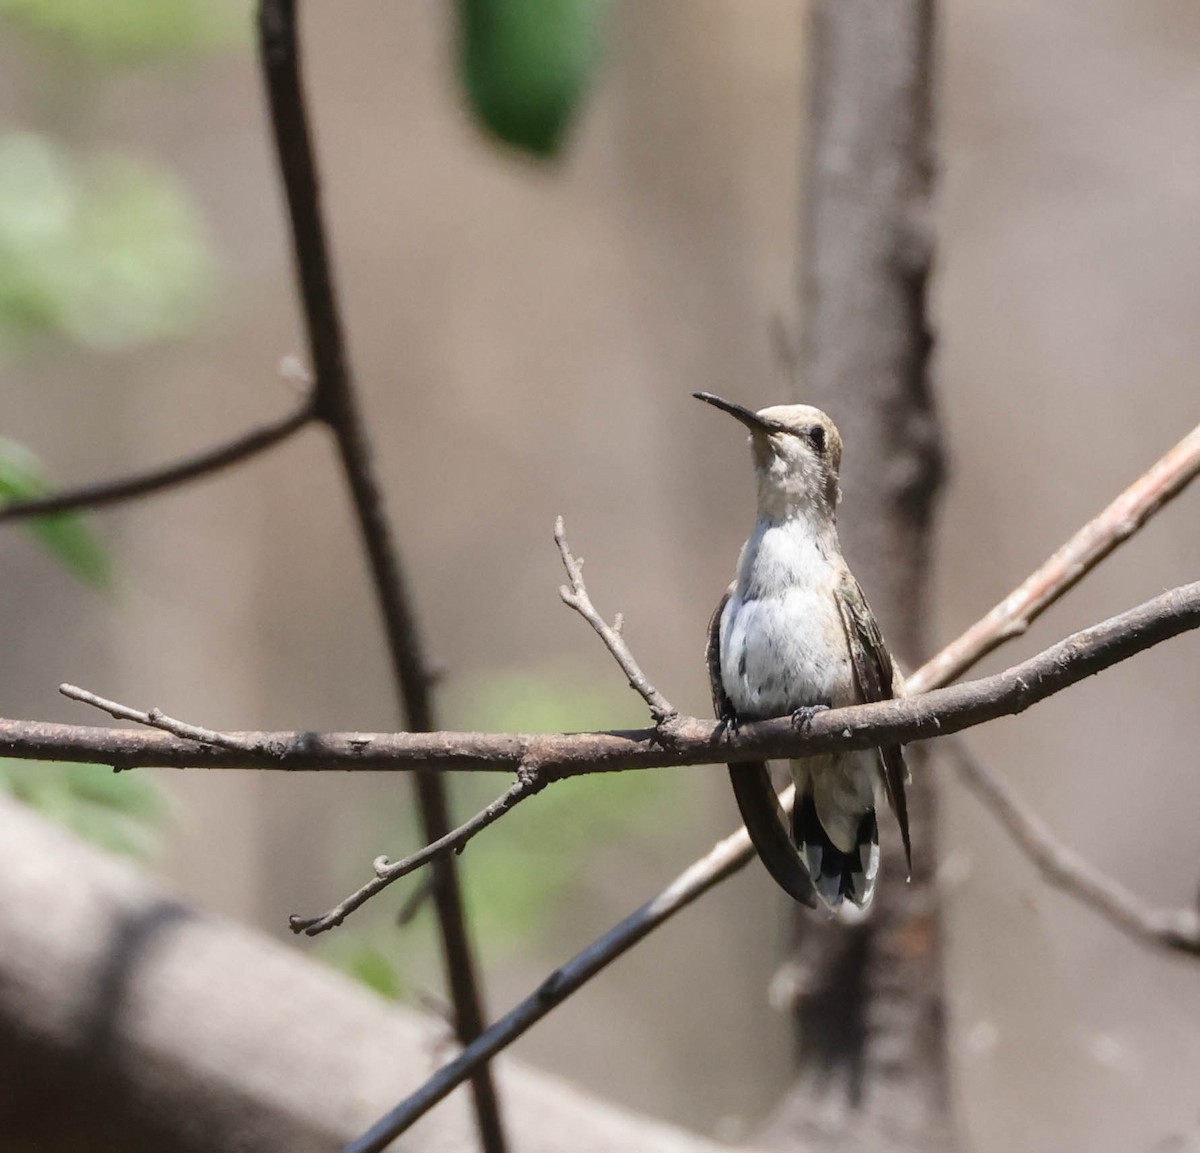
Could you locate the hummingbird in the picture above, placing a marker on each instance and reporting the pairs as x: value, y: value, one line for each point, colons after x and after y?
x: 794, y: 636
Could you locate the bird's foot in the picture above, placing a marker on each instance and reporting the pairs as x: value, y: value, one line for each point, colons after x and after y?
x: 802, y: 718
x: 729, y: 724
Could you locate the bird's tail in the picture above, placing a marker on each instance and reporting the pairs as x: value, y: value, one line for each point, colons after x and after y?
x: 836, y: 874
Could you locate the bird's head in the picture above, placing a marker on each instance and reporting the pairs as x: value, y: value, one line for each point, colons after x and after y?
x: 797, y: 454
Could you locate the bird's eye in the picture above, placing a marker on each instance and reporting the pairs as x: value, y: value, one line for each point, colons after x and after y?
x: 816, y: 437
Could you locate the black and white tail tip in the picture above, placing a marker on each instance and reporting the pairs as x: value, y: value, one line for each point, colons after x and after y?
x: 837, y: 875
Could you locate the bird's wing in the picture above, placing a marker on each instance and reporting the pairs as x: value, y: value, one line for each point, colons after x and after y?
x: 722, y: 705
x: 874, y: 675
x: 754, y: 791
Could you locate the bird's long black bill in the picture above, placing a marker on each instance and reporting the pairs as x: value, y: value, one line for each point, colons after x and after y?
x: 747, y: 416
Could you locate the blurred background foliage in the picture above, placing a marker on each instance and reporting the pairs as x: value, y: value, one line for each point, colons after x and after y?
x: 66, y: 536
x: 103, y: 248
x: 106, y: 249
x: 123, y: 33
x: 124, y: 813
x: 98, y: 246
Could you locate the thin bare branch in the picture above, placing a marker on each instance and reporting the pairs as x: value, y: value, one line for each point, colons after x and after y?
x: 721, y: 862
x: 526, y: 784
x: 157, y: 719
x: 338, y: 406
x: 576, y: 596
x: 1086, y: 549
x: 694, y: 741
x: 167, y: 476
x: 1177, y: 930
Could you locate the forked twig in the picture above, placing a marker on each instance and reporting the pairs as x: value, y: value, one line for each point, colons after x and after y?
x: 157, y: 719
x: 575, y: 596
x: 529, y: 780
x: 526, y: 784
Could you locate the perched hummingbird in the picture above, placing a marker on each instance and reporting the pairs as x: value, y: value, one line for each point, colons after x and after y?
x: 795, y: 635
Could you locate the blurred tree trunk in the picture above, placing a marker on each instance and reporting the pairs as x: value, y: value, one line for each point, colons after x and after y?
x: 867, y: 999
x: 130, y: 1023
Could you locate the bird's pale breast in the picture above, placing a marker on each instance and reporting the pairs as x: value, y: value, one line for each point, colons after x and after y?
x: 782, y: 652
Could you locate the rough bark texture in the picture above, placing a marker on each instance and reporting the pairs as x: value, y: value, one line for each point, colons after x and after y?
x: 868, y: 998
x: 129, y: 1021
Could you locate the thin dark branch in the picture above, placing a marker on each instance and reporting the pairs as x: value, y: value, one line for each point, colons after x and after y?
x: 1177, y: 930
x: 337, y: 405
x: 1170, y: 475
x: 179, y: 472
x: 526, y: 784
x: 575, y: 596
x: 722, y: 861
x: 694, y: 741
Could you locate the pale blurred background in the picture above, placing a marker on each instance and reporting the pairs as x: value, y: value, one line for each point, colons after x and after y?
x: 526, y: 337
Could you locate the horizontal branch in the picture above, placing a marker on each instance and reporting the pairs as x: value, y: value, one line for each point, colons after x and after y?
x: 553, y: 756
x: 178, y: 472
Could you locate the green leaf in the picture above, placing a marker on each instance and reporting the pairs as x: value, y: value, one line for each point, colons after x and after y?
x: 108, y: 251
x: 132, y: 31
x: 64, y: 534
x: 526, y: 65
x: 358, y: 958
x: 120, y: 812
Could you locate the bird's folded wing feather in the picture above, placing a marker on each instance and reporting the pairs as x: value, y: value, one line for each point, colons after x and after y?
x: 875, y: 677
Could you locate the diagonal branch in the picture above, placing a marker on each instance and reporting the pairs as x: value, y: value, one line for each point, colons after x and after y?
x: 722, y: 861
x: 1170, y: 475
x: 1177, y: 930
x: 526, y: 784
x: 337, y: 405
x: 156, y: 480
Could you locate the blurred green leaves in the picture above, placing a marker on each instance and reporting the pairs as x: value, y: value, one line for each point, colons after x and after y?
x: 520, y: 871
x: 65, y: 535
x: 133, y: 31
x: 120, y: 812
x: 108, y: 251
x: 526, y: 65
x: 355, y: 955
